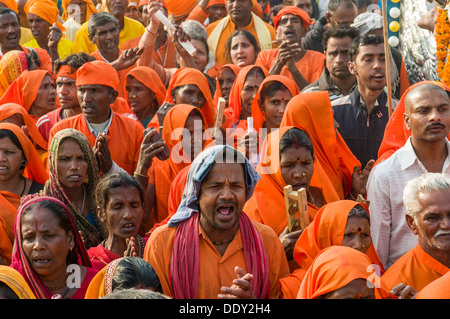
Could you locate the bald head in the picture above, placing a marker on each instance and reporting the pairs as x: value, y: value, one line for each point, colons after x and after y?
x: 413, y: 97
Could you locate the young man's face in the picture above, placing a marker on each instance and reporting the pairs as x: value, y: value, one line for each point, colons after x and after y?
x: 369, y: 67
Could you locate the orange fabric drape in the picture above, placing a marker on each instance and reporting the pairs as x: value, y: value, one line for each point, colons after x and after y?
x: 90, y: 8
x: 395, y: 133
x: 333, y: 268
x: 184, y: 76
x: 12, y: 4
x: 257, y: 114
x: 267, y: 204
x: 312, y: 112
x: 218, y: 93
x: 437, y: 289
x: 12, y: 65
x: 16, y: 282
x: 150, y: 79
x: 327, y: 229
x: 24, y: 89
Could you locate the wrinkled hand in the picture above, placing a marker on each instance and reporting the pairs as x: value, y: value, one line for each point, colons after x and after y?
x: 149, y: 149
x: 288, y: 240
x: 54, y: 37
x: 128, y: 58
x: 359, y: 179
x: 403, y: 291
x: 287, y: 52
x: 180, y: 36
x: 102, y: 153
x: 241, y: 288
x: 132, y: 250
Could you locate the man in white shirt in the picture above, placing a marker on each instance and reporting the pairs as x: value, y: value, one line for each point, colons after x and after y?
x: 427, y: 116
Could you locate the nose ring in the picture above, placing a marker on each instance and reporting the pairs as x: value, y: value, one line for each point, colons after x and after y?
x: 303, y: 174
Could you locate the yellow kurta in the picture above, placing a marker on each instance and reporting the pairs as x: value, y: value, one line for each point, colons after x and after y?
x: 131, y: 29
x: 64, y: 47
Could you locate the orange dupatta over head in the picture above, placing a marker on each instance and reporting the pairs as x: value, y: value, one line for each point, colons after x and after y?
x: 312, y: 113
x: 267, y: 202
x: 184, y: 76
x: 218, y: 93
x: 16, y: 282
x: 395, y: 133
x: 332, y: 269
x: 257, y: 113
x: 150, y: 79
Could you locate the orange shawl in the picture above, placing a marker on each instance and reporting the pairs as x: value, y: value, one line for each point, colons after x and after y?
x: 326, y: 230
x: 267, y: 204
x: 101, y: 284
x: 24, y: 89
x: 164, y: 172
x: 312, y: 112
x: 12, y: 65
x: 395, y: 133
x: 90, y: 8
x: 257, y: 114
x: 16, y: 282
x: 332, y: 269
x: 235, y: 69
x: 184, y: 76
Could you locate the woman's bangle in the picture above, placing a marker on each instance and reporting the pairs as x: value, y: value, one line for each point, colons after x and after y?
x: 152, y: 34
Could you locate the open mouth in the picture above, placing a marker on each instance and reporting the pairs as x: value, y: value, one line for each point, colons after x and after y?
x: 225, y: 211
x: 128, y: 227
x: 378, y: 76
x: 74, y: 177
x: 4, y: 169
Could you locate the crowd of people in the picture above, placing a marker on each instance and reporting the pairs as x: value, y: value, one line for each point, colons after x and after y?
x: 135, y: 166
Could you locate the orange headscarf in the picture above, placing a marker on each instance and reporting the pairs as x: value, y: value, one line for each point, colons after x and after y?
x: 257, y: 114
x: 295, y: 11
x: 12, y: 4
x: 151, y: 80
x: 24, y: 89
x: 45, y: 9
x: 233, y: 112
x: 267, y: 203
x: 235, y: 69
x: 99, y: 73
x: 90, y: 8
x: 12, y: 65
x: 101, y: 284
x: 395, y: 133
x: 184, y: 76
x: 334, y: 268
x: 67, y: 71
x: 16, y: 282
x: 312, y: 112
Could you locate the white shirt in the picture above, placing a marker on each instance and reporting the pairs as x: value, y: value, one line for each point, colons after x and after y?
x: 390, y: 233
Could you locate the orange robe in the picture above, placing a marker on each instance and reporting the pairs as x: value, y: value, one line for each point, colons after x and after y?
x: 437, y: 289
x: 326, y: 230
x: 267, y: 204
x: 311, y: 65
x: 215, y: 270
x: 415, y: 268
x: 334, y: 268
x: 124, y: 136
x: 312, y: 113
x: 219, y: 49
x: 395, y: 133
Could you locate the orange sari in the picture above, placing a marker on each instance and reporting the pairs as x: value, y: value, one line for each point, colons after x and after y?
x: 267, y: 204
x: 218, y: 93
x: 16, y: 282
x: 332, y: 269
x: 396, y: 134
x: 312, y: 113
x: 326, y: 230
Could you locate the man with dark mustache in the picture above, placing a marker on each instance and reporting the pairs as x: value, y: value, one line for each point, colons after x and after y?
x: 363, y: 114
x: 427, y: 118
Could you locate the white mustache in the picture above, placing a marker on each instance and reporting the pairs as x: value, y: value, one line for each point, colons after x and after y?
x: 441, y: 232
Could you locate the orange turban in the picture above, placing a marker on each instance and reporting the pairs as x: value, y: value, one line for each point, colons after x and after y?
x: 293, y: 10
x: 12, y: 4
x: 45, y: 9
x: 215, y: 2
x: 90, y: 8
x: 98, y: 73
x: 67, y: 71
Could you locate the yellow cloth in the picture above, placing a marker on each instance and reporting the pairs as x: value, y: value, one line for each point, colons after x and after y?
x: 131, y: 29
x: 64, y: 47
x: 25, y: 35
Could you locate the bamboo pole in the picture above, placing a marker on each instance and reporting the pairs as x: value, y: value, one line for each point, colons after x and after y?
x: 387, y: 54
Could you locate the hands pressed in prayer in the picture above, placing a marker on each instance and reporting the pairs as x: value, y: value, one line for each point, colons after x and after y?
x: 102, y: 153
x: 359, y: 179
x: 288, y: 239
x: 241, y: 288
x: 133, y: 248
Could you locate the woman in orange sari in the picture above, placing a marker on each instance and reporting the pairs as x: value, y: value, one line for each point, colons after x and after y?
x: 21, y: 173
x: 396, y: 134
x: 312, y: 112
x: 337, y: 267
x: 180, y: 119
x: 341, y: 223
x: 226, y: 76
x: 34, y: 90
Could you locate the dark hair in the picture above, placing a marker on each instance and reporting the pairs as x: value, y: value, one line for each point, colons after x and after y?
x: 334, y: 4
x: 4, y: 10
x: 98, y: 19
x: 75, y: 61
x: 64, y: 221
x: 339, y: 33
x: 296, y: 136
x: 269, y: 88
x: 135, y: 272
x: 5, y: 133
x: 250, y: 37
x: 112, y: 181
x: 368, y: 39
x: 359, y: 211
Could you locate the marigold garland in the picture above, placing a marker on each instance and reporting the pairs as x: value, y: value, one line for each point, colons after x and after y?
x: 442, y: 42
